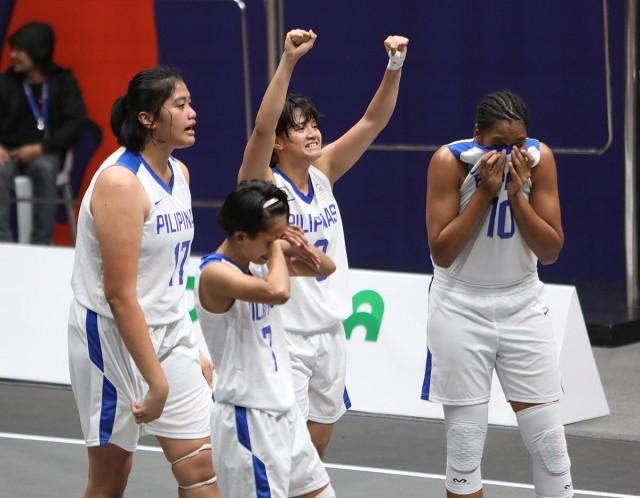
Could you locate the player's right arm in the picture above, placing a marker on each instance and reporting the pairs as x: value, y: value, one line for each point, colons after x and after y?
x: 119, y: 206
x: 449, y: 230
x: 257, y: 153
x: 221, y: 284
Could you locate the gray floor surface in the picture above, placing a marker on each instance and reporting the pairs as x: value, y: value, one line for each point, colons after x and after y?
x: 61, y: 468
x: 34, y: 469
x: 619, y: 370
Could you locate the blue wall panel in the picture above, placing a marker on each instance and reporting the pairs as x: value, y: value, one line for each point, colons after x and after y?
x: 549, y: 52
x: 202, y: 39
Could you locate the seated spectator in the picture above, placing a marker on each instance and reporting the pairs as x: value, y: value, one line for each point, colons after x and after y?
x: 42, y: 115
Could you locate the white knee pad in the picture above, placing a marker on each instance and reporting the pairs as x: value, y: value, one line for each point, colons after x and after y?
x: 543, y: 434
x: 466, y: 432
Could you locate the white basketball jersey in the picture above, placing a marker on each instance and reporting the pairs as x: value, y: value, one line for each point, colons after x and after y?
x: 317, y: 302
x: 496, y: 255
x: 248, y: 349
x: 164, y: 249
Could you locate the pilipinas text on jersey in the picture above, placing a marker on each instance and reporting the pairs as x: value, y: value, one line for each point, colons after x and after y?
x: 317, y: 303
x: 165, y: 245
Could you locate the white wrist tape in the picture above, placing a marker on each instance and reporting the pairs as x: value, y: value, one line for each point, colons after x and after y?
x: 395, y: 60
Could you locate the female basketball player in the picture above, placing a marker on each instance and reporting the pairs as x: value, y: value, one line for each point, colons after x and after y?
x: 262, y: 446
x: 135, y: 366
x: 287, y: 127
x: 492, y: 213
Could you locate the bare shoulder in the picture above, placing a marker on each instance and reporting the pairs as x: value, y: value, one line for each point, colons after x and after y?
x: 544, y: 176
x: 212, y: 291
x: 547, y: 165
x: 444, y: 164
x: 119, y: 186
x: 443, y: 156
x: 221, y: 278
x: 215, y: 273
x: 546, y: 152
x: 118, y: 177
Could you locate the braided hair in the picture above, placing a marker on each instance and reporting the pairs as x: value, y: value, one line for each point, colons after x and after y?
x: 498, y: 106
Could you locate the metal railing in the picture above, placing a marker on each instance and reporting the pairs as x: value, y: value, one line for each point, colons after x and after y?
x: 275, y: 24
x: 246, y: 74
x: 588, y: 151
x: 630, y: 137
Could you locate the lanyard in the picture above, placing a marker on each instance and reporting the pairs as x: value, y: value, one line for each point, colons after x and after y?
x: 40, y: 115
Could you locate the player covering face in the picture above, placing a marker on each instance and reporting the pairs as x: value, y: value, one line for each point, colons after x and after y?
x: 262, y: 447
x: 493, y: 213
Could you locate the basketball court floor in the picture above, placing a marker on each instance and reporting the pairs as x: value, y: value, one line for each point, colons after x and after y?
x: 42, y: 454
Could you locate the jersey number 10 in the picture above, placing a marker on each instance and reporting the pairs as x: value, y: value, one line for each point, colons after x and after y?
x: 501, y: 211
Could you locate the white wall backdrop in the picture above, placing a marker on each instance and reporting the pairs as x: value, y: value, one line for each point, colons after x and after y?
x: 387, y: 344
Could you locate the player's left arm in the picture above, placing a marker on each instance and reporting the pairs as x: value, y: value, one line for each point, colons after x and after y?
x: 339, y: 156
x: 538, y: 219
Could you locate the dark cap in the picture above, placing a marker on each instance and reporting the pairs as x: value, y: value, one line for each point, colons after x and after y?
x: 37, y: 39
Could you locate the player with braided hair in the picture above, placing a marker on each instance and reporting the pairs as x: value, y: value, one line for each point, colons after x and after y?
x: 493, y: 212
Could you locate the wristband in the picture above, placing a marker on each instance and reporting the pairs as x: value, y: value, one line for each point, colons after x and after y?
x: 395, y: 60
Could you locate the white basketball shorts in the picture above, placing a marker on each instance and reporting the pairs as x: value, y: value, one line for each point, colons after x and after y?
x: 469, y: 333
x: 319, y: 368
x: 105, y: 381
x: 257, y: 453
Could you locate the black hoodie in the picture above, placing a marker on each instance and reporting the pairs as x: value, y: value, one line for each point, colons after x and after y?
x: 67, y: 113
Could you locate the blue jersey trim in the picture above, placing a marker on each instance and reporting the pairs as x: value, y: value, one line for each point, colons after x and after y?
x: 426, y: 386
x: 259, y: 468
x: 108, y: 411
x: 263, y: 490
x: 308, y: 198
x: 345, y: 398
x: 215, y: 257
x: 109, y: 394
x: 93, y: 339
x: 458, y: 148
x: 132, y: 161
x: 129, y: 160
x: 242, y: 427
x: 168, y: 187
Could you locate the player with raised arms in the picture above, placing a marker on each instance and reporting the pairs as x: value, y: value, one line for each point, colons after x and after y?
x: 287, y: 138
